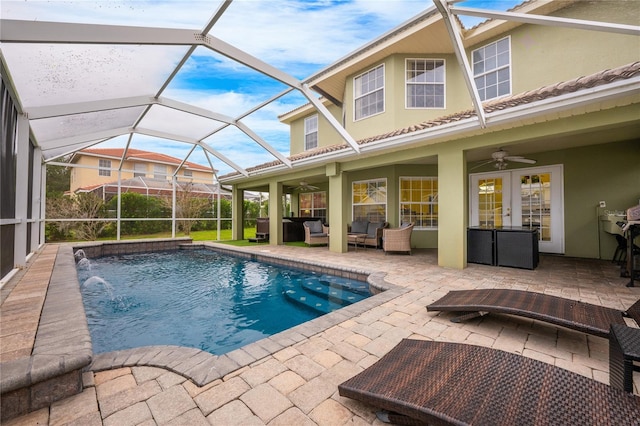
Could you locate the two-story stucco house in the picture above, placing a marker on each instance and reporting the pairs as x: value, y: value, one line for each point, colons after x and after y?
x: 529, y: 119
x: 100, y: 166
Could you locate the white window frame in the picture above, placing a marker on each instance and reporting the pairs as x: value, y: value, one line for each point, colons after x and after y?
x: 408, y: 83
x: 187, y: 173
x: 431, y: 205
x: 494, y: 70
x: 368, y: 181
x: 104, y: 167
x: 311, y: 132
x: 357, y: 97
x: 313, y: 209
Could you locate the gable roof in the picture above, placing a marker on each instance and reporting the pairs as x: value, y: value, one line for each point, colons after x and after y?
x: 599, y: 79
x: 139, y: 155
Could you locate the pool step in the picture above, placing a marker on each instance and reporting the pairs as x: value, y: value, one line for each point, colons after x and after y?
x: 309, y: 300
x: 359, y: 287
x: 336, y: 292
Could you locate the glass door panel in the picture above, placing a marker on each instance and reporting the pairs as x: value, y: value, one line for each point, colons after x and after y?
x: 535, y: 201
x: 491, y: 200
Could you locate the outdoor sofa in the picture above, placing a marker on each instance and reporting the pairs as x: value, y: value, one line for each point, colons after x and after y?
x: 438, y: 383
x: 373, y: 231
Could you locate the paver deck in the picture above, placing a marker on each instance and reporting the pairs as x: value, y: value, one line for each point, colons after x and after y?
x: 296, y: 383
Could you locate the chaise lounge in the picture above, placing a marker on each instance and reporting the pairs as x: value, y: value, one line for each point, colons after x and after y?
x: 580, y: 316
x: 438, y: 383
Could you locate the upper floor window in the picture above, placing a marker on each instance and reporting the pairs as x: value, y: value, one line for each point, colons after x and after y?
x: 188, y: 173
x: 369, y: 200
x: 369, y: 93
x: 159, y: 171
x: 313, y: 204
x: 492, y: 69
x: 139, y: 169
x: 104, y: 168
x: 419, y: 201
x: 425, y: 83
x: 311, y: 132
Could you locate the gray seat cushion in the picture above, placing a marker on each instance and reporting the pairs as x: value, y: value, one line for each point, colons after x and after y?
x: 359, y: 226
x: 315, y: 226
x: 372, y: 228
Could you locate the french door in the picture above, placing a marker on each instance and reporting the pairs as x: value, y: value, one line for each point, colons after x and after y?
x: 531, y: 198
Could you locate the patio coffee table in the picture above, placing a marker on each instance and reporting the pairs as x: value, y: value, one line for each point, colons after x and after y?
x: 357, y: 238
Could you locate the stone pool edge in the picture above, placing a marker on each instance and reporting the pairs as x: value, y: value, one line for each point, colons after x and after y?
x: 203, y: 367
x: 61, y: 350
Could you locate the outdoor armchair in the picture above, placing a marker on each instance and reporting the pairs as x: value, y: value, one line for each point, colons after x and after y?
x: 315, y: 232
x: 397, y: 239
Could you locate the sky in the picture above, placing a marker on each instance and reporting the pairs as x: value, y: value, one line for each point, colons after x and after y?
x: 299, y: 37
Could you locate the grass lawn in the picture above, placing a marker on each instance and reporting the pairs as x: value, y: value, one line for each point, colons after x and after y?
x: 225, y: 237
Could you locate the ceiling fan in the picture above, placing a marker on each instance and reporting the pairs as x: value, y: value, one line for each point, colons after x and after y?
x: 501, y: 157
x: 304, y: 186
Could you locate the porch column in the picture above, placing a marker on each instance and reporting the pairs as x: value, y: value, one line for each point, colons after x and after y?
x: 452, y: 208
x: 338, y: 208
x: 237, y: 213
x: 36, y: 199
x: 22, y: 177
x: 275, y: 212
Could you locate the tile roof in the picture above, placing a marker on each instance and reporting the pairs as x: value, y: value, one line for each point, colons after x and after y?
x: 138, y: 154
x: 585, y: 82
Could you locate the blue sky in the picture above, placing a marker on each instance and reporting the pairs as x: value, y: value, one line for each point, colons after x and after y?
x: 299, y: 37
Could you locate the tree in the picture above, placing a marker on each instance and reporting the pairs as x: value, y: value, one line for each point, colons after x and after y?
x: 58, y: 179
x: 189, y: 206
x: 80, y: 206
x: 89, y: 206
x: 135, y: 205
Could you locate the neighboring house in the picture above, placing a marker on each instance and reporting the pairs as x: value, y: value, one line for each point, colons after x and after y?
x: 151, y: 187
x: 96, y: 167
x: 567, y: 98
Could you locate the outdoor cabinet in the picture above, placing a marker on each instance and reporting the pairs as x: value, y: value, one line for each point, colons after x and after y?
x: 517, y: 247
x: 480, y: 246
x: 504, y: 246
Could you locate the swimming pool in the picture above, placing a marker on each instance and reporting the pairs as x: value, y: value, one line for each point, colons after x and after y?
x: 202, y: 299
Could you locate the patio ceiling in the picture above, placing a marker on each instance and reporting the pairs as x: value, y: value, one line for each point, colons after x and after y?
x: 86, y: 79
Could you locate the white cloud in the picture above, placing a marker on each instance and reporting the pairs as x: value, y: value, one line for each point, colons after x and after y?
x: 298, y: 36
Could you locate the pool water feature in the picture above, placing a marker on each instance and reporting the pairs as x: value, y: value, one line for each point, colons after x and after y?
x: 201, y: 298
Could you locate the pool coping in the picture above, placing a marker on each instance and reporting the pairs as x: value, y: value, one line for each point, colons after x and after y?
x: 203, y: 367
x: 61, y: 349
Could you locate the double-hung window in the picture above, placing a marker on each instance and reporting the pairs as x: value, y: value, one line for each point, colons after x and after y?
x: 311, y: 132
x: 369, y: 200
x: 159, y: 171
x: 419, y: 201
x: 139, y: 169
x: 104, y: 168
x: 492, y: 69
x: 369, y: 93
x: 425, y: 83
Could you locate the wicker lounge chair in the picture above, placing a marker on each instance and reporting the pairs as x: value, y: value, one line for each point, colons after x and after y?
x: 585, y: 317
x: 397, y: 239
x: 425, y: 382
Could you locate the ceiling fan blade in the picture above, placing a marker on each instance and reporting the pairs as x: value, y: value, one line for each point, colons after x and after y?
x: 482, y: 163
x: 517, y: 159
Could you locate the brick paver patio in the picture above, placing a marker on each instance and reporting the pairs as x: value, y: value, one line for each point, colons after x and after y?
x: 298, y: 384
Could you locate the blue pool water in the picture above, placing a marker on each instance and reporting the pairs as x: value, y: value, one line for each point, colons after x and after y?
x: 202, y: 299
